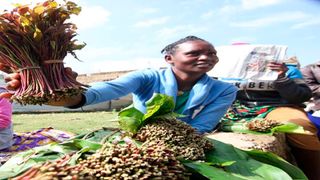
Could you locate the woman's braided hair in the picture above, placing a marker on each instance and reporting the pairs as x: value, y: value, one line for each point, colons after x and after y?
x: 170, y: 49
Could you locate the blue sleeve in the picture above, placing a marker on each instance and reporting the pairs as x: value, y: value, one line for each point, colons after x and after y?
x: 210, y: 115
x: 294, y: 73
x: 105, y: 91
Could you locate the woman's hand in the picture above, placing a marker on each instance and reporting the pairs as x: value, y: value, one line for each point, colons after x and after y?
x: 71, y: 73
x: 13, y: 81
x: 68, y: 101
x: 279, y: 67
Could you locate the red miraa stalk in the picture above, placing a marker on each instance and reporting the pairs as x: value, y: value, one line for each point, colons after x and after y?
x: 34, y: 42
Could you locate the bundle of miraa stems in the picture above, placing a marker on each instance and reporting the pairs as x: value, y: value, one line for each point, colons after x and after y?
x: 34, y: 42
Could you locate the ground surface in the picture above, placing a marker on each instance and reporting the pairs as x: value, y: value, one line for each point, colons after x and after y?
x: 76, y: 122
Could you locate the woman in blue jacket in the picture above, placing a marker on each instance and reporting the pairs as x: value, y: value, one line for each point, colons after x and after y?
x: 203, y: 100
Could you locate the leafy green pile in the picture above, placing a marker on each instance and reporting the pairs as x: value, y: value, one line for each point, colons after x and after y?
x: 231, y: 126
x: 160, y: 106
x: 222, y: 162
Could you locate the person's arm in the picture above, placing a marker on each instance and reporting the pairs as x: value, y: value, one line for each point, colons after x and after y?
x: 293, y: 90
x: 291, y: 86
x: 209, y: 117
x: 100, y: 91
x: 137, y: 81
x: 5, y: 113
x: 290, y: 83
x: 311, y: 80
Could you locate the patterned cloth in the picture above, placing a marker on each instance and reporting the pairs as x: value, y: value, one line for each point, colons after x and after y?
x: 25, y: 141
x: 241, y: 112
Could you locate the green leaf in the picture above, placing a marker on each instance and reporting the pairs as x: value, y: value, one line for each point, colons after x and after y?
x: 25, y: 160
x: 289, y: 128
x: 53, y: 44
x: 24, y: 21
x: 238, y: 127
x: 129, y: 124
x: 100, y: 134
x: 227, y: 163
x: 73, y: 8
x: 284, y: 128
x: 159, y: 104
x: 78, y: 46
x: 274, y: 160
x: 211, y: 172
x: 244, y: 165
x: 38, y: 155
x: 130, y: 119
x: 81, y: 143
x: 37, y: 35
x: 53, y: 4
x: 39, y: 9
x: 171, y: 115
x: 76, y: 156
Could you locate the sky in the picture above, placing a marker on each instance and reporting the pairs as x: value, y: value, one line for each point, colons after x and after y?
x: 129, y: 34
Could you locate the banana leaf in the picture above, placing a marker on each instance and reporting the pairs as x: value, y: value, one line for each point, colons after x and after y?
x: 274, y: 160
x: 159, y: 104
x: 25, y: 160
x: 38, y: 155
x: 211, y: 172
x: 99, y: 134
x: 74, y: 158
x: 81, y: 143
x: 244, y: 165
x: 289, y: 128
x: 284, y: 128
x: 131, y: 119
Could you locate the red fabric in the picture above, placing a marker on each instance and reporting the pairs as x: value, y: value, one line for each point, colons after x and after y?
x: 5, y: 113
x: 263, y: 110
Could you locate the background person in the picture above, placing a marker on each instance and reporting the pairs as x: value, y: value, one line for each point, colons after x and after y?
x: 311, y: 75
x: 202, y: 99
x: 6, y: 130
x: 284, y: 103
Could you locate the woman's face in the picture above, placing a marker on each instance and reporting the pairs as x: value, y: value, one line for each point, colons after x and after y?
x: 193, y: 57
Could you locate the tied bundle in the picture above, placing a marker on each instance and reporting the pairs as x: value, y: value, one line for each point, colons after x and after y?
x: 34, y: 42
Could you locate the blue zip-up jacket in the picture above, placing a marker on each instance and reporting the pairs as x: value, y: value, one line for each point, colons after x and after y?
x: 208, y: 101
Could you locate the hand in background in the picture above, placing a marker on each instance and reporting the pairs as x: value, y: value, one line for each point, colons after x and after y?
x: 279, y: 67
x: 12, y: 80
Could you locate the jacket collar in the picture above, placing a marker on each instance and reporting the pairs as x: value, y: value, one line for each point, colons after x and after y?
x: 198, y: 93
